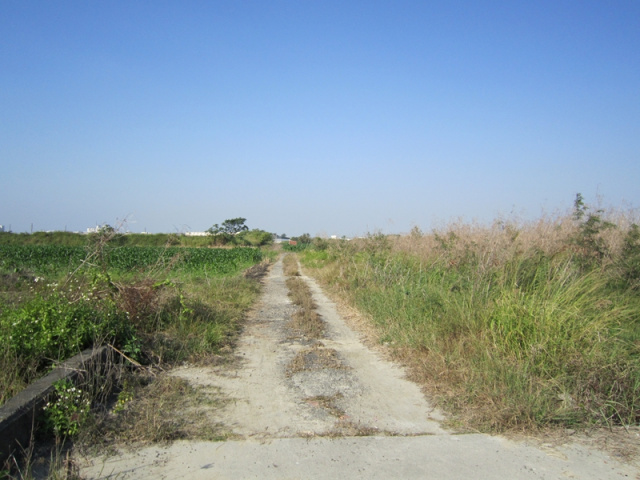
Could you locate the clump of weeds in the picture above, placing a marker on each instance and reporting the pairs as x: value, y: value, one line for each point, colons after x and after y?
x: 317, y: 357
x: 305, y: 321
x: 154, y: 409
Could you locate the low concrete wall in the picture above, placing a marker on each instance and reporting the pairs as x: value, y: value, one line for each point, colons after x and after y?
x: 18, y: 416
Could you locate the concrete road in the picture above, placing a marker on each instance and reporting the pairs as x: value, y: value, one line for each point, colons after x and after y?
x: 332, y: 408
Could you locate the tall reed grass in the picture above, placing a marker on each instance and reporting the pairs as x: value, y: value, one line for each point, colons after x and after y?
x: 510, y: 325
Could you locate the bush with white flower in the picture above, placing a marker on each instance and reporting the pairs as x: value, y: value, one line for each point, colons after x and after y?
x: 68, y: 410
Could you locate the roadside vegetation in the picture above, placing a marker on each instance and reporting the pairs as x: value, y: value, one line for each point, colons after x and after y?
x: 155, y: 307
x: 128, y: 297
x: 233, y: 232
x: 513, y: 326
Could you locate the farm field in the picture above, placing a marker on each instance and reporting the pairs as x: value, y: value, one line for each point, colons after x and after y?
x: 147, y: 302
x: 55, y: 259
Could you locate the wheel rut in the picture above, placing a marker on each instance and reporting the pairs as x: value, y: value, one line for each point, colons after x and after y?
x: 284, y: 384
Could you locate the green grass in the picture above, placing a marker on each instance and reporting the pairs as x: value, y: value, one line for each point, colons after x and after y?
x: 202, y: 319
x: 506, y: 326
x: 295, y: 248
x: 153, y: 304
x: 157, y: 306
x: 52, y: 259
x: 248, y: 238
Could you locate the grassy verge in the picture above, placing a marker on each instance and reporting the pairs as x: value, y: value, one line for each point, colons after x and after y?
x: 155, y: 317
x: 153, y: 305
x: 510, y: 327
x: 153, y: 410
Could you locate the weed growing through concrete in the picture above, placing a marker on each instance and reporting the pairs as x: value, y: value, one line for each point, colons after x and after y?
x: 317, y: 357
x: 305, y: 321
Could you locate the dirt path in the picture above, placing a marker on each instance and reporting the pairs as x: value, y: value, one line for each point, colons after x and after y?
x: 327, y: 408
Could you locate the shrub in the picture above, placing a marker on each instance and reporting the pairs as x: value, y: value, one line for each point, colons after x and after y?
x: 53, y: 328
x: 253, y: 238
x: 68, y: 409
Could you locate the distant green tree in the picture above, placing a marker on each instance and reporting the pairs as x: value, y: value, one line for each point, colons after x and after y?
x: 230, y: 226
x: 234, y: 225
x: 229, y: 229
x: 304, y: 238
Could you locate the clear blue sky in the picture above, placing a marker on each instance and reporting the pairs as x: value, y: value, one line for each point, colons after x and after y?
x: 321, y: 117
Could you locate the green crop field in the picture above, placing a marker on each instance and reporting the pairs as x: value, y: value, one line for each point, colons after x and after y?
x: 151, y: 303
x: 42, y: 259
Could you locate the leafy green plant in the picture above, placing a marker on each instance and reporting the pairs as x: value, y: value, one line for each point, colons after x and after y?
x: 305, y: 238
x: 55, y: 328
x: 296, y: 248
x: 125, y: 395
x: 254, y: 238
x: 320, y: 243
x: 68, y: 410
x: 42, y: 259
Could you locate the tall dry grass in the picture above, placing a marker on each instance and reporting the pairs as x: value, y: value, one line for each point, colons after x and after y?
x: 511, y: 325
